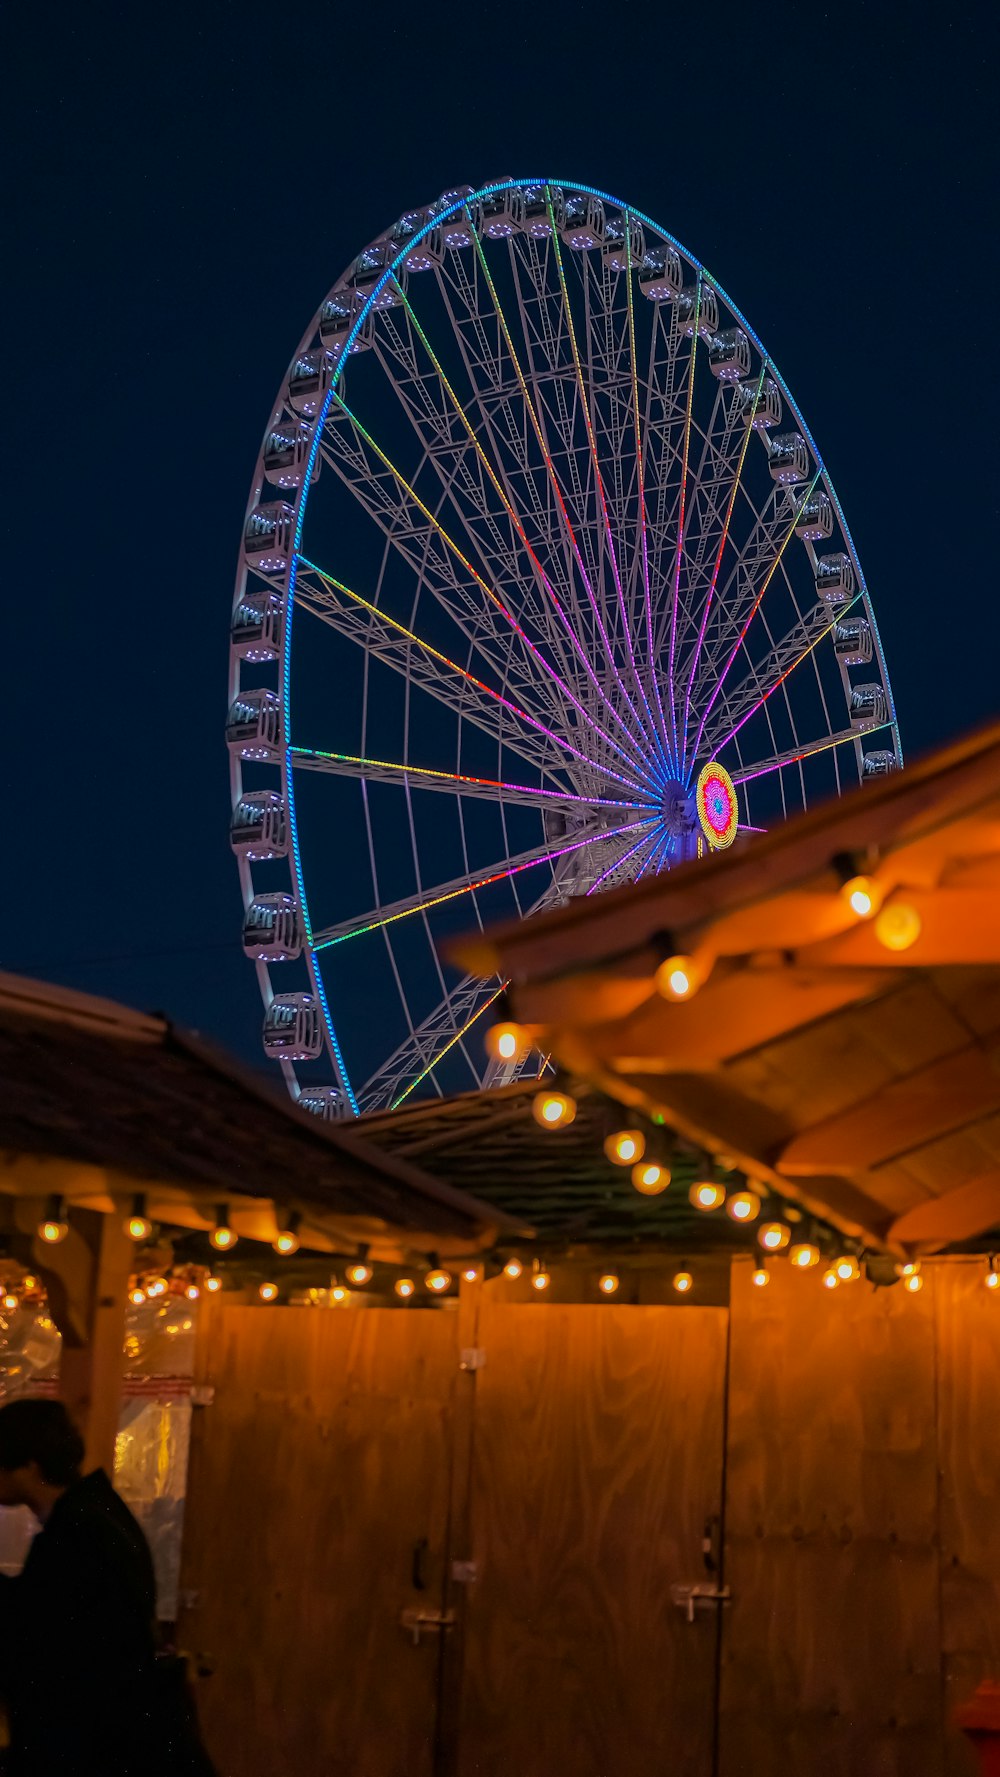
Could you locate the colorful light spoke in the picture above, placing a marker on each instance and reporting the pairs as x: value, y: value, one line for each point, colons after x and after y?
x: 446, y: 779
x: 682, y: 518
x: 425, y: 1072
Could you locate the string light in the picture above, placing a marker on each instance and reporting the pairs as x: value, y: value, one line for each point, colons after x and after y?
x: 677, y: 978
x: 803, y: 1254
x: 438, y: 1279
x: 192, y: 1292
x: 773, y: 1236
x: 625, y: 1146
x: 540, y: 1279
x: 650, y: 1178
x: 909, y: 1269
x: 338, y: 1293
x: 286, y: 1241
x: 137, y: 1296
x: 761, y: 1277
x: 471, y: 1273
x: 743, y: 1206
x: 553, y: 1110
x: 682, y: 1282
x: 11, y: 1303
x: 157, y: 1286
x: 359, y: 1271
x: 53, y: 1227
x: 831, y: 1280
x: 706, y: 1194
x: 914, y: 1283
x: 222, y: 1235
x: 898, y: 926
x: 847, y: 1268
x: 213, y: 1283
x: 404, y: 1286
x: 863, y: 896
x: 608, y: 1283
x: 506, y: 1042
x: 138, y: 1226
x: 267, y: 1292
x: 513, y: 1268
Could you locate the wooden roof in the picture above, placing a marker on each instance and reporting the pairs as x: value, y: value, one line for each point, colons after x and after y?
x: 864, y: 1082
x: 97, y: 1100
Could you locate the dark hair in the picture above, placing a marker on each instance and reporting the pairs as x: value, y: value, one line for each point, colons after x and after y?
x: 41, y: 1431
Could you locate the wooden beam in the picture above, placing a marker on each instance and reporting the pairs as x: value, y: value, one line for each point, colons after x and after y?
x: 971, y: 1209
x: 900, y: 1117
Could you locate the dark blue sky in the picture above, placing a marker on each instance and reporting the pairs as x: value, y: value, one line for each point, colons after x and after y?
x: 185, y: 186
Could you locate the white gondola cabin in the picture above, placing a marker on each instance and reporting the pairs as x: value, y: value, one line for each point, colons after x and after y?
x: 701, y: 313
x: 267, y: 538
x: 537, y: 217
x: 368, y: 272
x: 878, y: 764
x: 271, y: 929
x: 835, y: 580
x: 292, y: 1028
x: 257, y: 828
x: 624, y: 243
x: 852, y: 641
x: 325, y: 1102
x: 788, y: 458
x: 729, y: 355
x: 286, y: 452
x: 336, y: 319
x: 661, y: 274
x: 868, y: 705
x: 583, y: 221
x: 500, y: 214
x: 813, y: 517
x: 763, y: 401
x: 253, y: 727
x: 458, y: 230
x: 425, y: 253
x: 308, y: 381
x: 256, y: 628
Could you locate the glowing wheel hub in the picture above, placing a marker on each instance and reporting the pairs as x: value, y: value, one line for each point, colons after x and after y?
x: 718, y: 811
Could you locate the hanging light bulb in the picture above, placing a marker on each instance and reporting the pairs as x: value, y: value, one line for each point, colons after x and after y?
x: 513, y: 1268
x: 650, y: 1178
x: 761, y: 1277
x: 773, y: 1236
x: 553, y: 1110
x: 157, y: 1286
x: 862, y: 895
x: 677, y: 978
x: 11, y: 1303
x: 53, y: 1227
x: 137, y: 1296
x: 138, y: 1226
x: 267, y: 1292
x: 803, y: 1254
x: 908, y: 1270
x: 608, y: 1283
x: 992, y: 1279
x: 338, y: 1293
x: 286, y: 1241
x: 222, y: 1235
x: 898, y: 926
x: 625, y: 1146
x: 914, y: 1282
x: 212, y: 1283
x: 506, y: 1042
x: 192, y: 1292
x: 706, y: 1194
x: 682, y: 1282
x: 404, y: 1286
x: 847, y: 1268
x: 831, y: 1280
x: 743, y: 1206
x: 359, y: 1271
x: 470, y: 1273
x: 540, y: 1279
x: 438, y: 1279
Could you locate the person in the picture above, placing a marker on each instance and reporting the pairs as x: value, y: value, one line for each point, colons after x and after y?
x: 77, y: 1649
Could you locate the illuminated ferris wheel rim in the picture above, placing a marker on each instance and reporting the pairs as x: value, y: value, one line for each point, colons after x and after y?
x: 715, y: 829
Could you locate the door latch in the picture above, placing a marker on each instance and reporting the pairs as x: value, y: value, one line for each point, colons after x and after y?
x: 698, y: 1595
x: 419, y: 1622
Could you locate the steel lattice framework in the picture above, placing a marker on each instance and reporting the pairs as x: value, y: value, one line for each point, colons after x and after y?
x: 569, y: 540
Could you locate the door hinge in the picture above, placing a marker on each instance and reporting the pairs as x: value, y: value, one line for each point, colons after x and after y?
x: 472, y: 1358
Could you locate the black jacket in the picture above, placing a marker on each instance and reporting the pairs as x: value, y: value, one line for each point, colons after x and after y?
x: 76, y: 1641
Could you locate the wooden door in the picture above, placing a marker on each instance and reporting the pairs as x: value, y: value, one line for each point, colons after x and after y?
x: 317, y: 1512
x: 597, y: 1463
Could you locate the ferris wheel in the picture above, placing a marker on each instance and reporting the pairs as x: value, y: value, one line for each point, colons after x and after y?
x: 543, y: 588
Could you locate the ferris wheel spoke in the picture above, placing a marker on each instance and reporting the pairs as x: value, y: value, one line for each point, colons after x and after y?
x: 682, y: 516
x: 794, y: 755
x: 543, y: 666
x: 391, y: 913
x: 453, y: 783
x: 646, y: 845
x: 783, y: 659
x: 643, y: 551
x: 427, y: 1043
x: 789, y: 532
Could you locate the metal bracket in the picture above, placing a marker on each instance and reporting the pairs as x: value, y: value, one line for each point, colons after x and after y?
x: 473, y: 1357
x: 698, y: 1595
x: 202, y: 1394
x: 426, y: 1622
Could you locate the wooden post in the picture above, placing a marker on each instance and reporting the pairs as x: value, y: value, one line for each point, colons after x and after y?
x: 459, y: 1574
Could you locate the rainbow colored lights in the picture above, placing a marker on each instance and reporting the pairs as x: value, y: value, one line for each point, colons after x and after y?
x: 717, y: 807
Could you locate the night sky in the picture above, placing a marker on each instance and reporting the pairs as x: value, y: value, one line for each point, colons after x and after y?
x: 183, y: 187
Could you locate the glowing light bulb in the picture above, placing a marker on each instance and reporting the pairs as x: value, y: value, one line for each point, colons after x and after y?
x: 677, y: 978
x: 553, y: 1110
x: 138, y: 1227
x: 773, y: 1236
x: 438, y: 1279
x: 608, y: 1283
x: 803, y: 1254
x: 706, y: 1194
x: 470, y: 1273
x: 830, y: 1279
x: 137, y: 1297
x: 338, y: 1293
x: 847, y: 1268
x: 898, y: 926
x: 192, y: 1292
x: 650, y: 1177
x: 286, y: 1243
x: 213, y: 1283
x: 908, y: 1270
x: 914, y: 1283
x: 863, y: 896
x: 761, y: 1277
x: 992, y: 1279
x: 359, y: 1272
x: 11, y: 1303
x: 513, y: 1268
x: 222, y: 1238
x: 52, y: 1232
x: 743, y: 1206
x: 540, y: 1280
x: 29, y: 1282
x: 404, y: 1286
x: 682, y: 1282
x: 506, y: 1042
x: 625, y: 1146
